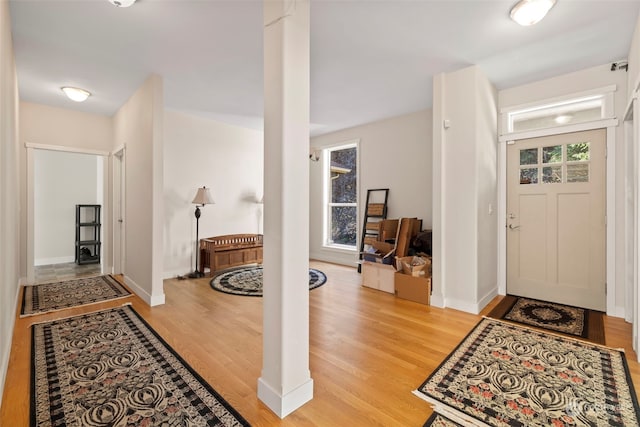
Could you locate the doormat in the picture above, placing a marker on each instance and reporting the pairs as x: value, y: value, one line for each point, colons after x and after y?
x: 247, y: 281
x: 110, y: 368
x: 54, y: 296
x: 565, y: 319
x: 503, y: 374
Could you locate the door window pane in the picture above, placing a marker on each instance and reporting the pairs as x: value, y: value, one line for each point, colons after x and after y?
x: 528, y: 175
x: 552, y: 154
x: 552, y: 174
x: 578, y: 152
x: 578, y: 172
x: 343, y: 225
x: 529, y: 156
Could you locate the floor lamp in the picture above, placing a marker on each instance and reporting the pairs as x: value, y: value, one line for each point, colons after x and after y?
x: 203, y: 197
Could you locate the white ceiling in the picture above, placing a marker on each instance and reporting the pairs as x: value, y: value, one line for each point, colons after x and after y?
x: 369, y: 59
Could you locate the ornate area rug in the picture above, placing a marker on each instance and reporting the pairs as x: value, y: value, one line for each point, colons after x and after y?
x: 110, y: 368
x: 46, y: 297
x: 503, y: 374
x: 564, y: 319
x: 248, y: 281
x: 439, y: 420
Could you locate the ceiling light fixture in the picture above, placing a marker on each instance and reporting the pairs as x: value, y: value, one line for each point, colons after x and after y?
x: 563, y: 119
x: 76, y: 94
x: 529, y: 12
x: 122, y: 3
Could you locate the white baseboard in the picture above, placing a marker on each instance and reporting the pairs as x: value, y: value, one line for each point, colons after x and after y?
x: 462, y: 305
x: 6, y: 346
x: 172, y: 274
x: 283, y: 405
x: 471, y: 306
x: 55, y: 260
x: 152, y: 300
x: 436, y: 301
x: 348, y: 259
x: 617, y: 311
x: 487, y: 298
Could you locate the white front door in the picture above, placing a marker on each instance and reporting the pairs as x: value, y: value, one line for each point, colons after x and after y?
x: 556, y: 219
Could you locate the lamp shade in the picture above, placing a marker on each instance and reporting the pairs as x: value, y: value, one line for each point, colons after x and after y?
x: 203, y: 197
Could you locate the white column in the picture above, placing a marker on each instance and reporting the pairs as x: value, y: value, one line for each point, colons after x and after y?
x: 286, y: 382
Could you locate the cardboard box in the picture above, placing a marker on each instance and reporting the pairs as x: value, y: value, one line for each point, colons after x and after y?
x: 416, y: 289
x: 378, y: 276
x: 382, y: 253
x: 415, y: 266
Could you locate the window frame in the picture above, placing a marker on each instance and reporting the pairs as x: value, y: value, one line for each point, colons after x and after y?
x: 326, y: 202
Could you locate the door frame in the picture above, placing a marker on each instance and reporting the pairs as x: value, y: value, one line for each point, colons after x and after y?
x: 118, y: 165
x: 610, y: 126
x: 30, y: 244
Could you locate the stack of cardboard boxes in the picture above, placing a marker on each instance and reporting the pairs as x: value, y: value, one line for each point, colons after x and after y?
x: 386, y: 266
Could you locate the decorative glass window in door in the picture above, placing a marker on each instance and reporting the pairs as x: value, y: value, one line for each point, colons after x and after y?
x: 555, y: 164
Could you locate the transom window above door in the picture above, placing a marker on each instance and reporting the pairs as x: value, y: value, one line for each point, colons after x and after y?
x: 555, y: 164
x: 570, y: 111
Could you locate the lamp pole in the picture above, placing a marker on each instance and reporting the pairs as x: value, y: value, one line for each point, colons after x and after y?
x: 203, y: 197
x: 197, y: 273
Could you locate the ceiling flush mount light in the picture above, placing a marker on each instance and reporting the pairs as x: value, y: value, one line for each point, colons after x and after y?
x: 75, y: 94
x: 122, y: 3
x: 529, y: 12
x: 563, y: 119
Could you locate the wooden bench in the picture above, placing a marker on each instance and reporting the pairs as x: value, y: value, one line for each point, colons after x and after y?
x: 232, y: 250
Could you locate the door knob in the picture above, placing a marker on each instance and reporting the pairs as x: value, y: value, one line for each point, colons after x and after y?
x: 512, y: 227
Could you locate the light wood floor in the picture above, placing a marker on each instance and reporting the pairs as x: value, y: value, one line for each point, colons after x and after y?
x: 369, y: 350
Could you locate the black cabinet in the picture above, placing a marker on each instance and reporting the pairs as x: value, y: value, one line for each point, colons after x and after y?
x: 88, y: 225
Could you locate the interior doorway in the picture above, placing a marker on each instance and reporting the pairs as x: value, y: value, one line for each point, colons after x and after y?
x: 556, y: 229
x: 59, y: 178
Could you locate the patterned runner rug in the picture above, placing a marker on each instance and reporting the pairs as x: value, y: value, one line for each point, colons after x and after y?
x: 505, y: 374
x: 565, y: 319
x: 248, y: 281
x: 46, y: 297
x: 110, y: 368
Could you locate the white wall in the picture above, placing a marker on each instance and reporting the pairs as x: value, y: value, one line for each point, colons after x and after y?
x: 61, y: 181
x: 9, y: 191
x: 465, y: 156
x: 486, y: 187
x: 633, y: 291
x: 633, y: 72
x: 394, y: 153
x: 138, y: 125
x: 225, y: 158
x: 70, y: 129
x: 591, y: 78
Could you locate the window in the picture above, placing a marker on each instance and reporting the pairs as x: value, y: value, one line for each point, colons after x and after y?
x: 563, y: 113
x: 341, y: 196
x: 568, y: 110
x: 559, y: 164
